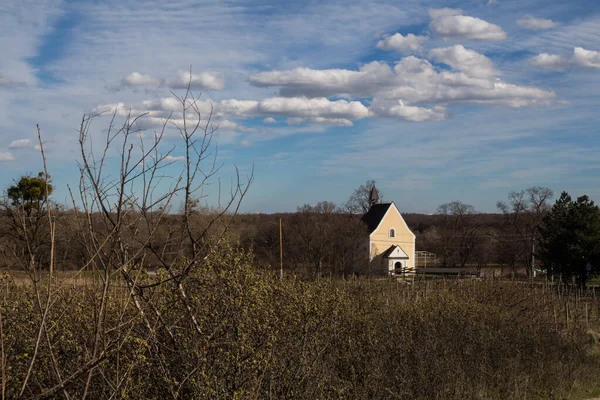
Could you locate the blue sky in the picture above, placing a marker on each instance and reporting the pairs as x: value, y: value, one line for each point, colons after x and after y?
x: 436, y: 100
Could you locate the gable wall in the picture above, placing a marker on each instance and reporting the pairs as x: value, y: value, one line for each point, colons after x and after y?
x: 380, y: 240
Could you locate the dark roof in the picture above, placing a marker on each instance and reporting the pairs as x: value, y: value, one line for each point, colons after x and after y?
x: 375, y: 214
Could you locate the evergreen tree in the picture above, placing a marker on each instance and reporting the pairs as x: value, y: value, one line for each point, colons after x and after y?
x: 570, y: 239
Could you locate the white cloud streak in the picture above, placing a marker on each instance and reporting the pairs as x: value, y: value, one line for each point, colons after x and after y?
x: 536, y: 24
x: 6, y: 156
x: 171, y: 158
x: 435, y: 13
x: 181, y: 80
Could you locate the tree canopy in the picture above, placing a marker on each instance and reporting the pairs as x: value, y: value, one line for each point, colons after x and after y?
x: 29, y: 192
x: 570, y: 239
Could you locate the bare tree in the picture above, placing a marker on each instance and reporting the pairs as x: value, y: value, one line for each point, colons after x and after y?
x: 324, y: 239
x: 359, y: 201
x: 126, y: 188
x: 457, y: 233
x: 523, y: 214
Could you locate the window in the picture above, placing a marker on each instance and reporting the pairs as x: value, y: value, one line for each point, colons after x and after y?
x: 392, y: 233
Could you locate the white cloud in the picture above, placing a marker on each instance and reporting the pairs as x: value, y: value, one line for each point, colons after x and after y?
x: 269, y: 120
x: 402, y: 43
x: 320, y: 121
x: 6, y: 156
x: 586, y: 58
x: 109, y: 108
x: 320, y: 111
x: 137, y: 79
x: 551, y: 61
x: 171, y: 158
x: 234, y: 126
x: 580, y: 58
x: 331, y: 121
x: 201, y: 81
x: 413, y: 80
x: 237, y: 108
x: 397, y: 109
x: 313, y: 107
x: 21, y: 144
x: 325, y: 82
x: 468, y: 61
x: 536, y: 24
x: 450, y: 25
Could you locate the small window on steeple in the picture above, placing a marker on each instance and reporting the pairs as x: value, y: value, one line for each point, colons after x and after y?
x: 392, y: 233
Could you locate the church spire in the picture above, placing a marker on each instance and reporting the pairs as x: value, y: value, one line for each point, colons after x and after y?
x: 373, y: 197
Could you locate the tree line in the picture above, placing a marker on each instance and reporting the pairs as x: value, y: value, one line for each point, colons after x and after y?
x: 528, y: 234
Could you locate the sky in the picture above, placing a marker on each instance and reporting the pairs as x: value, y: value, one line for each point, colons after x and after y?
x: 435, y: 100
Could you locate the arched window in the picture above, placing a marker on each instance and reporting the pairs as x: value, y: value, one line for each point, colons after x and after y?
x: 392, y: 233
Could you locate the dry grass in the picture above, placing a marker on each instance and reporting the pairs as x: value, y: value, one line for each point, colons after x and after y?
x: 261, y: 337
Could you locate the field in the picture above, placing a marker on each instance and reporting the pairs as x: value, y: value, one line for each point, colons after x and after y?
x: 241, y: 332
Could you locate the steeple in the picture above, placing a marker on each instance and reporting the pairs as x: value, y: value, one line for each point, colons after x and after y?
x: 373, y: 197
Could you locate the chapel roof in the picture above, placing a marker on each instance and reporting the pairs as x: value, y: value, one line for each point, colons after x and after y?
x: 375, y: 214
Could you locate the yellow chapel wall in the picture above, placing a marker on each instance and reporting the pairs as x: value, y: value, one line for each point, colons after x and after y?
x: 380, y: 240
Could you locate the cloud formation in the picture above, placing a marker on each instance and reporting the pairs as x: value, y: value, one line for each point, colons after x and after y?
x: 313, y: 107
x: 413, y: 80
x: 402, y: 43
x: 201, y: 81
x: 397, y: 109
x: 586, y: 58
x: 552, y: 62
x: 581, y: 58
x: 181, y: 80
x: 21, y: 144
x: 315, y: 110
x: 450, y: 24
x: 412, y: 89
x: 137, y: 79
x: 536, y: 24
x: 468, y: 61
